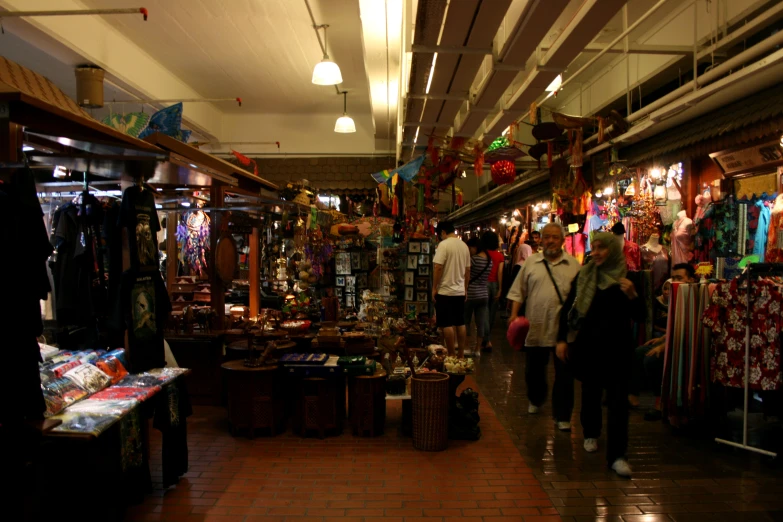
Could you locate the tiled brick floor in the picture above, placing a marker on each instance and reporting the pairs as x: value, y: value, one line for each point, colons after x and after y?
x: 677, y: 477
x: 349, y: 479
x: 521, y: 470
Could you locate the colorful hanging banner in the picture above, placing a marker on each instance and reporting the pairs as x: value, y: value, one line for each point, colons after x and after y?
x: 406, y: 172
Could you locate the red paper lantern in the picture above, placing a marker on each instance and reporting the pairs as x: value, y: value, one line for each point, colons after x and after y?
x: 503, y: 172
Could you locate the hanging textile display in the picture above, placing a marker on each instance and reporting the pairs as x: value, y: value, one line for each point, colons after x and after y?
x: 684, y: 389
x: 726, y: 317
x: 193, y: 236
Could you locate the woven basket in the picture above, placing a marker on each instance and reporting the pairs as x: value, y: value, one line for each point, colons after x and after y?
x: 430, y: 396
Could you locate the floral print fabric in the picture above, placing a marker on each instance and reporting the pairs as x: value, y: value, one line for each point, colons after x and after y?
x: 726, y: 317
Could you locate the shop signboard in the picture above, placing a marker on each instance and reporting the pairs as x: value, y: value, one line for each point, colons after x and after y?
x: 749, y: 159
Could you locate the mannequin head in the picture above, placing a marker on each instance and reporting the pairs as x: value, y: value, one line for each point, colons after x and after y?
x: 654, y: 240
x: 682, y: 214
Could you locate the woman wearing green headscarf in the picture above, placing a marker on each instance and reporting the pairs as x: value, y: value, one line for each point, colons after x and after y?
x: 596, y: 338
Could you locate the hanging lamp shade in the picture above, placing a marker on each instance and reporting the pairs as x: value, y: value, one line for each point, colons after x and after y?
x: 327, y: 72
x: 344, y: 123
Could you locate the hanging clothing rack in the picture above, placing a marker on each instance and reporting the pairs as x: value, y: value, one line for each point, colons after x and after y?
x: 751, y: 272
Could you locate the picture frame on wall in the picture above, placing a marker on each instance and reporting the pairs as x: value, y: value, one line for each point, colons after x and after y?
x: 350, y: 300
x: 424, y: 270
x: 409, y: 293
x: 422, y: 284
x: 414, y: 247
x: 365, y: 261
x: 342, y: 263
x: 411, y: 308
x: 350, y: 282
x: 356, y: 260
x: 339, y: 281
x: 425, y: 248
x: 423, y: 308
x: 409, y: 277
x: 412, y: 262
x: 361, y: 280
x: 338, y: 292
x: 424, y: 259
x: 421, y: 296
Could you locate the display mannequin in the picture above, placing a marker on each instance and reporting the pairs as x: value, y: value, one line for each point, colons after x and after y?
x: 682, y: 239
x: 655, y: 257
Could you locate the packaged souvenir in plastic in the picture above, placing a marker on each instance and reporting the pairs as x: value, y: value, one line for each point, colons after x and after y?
x: 76, y: 422
x: 61, y: 369
x: 119, y: 353
x: 89, y: 377
x: 60, y: 393
x: 89, y: 357
x: 112, y: 407
x: 126, y: 392
x: 112, y: 367
x: 165, y: 375
x: 140, y: 380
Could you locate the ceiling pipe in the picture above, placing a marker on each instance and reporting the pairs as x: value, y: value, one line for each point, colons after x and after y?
x: 742, y: 58
x: 76, y: 12
x: 694, y: 97
x: 617, y: 40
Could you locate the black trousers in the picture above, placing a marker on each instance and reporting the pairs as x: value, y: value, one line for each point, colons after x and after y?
x: 647, y: 372
x: 617, y: 404
x: 536, y: 361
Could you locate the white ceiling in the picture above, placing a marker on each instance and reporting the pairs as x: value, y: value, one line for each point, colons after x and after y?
x: 262, y: 51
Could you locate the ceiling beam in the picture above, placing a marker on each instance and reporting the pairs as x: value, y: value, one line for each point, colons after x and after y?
x: 637, y: 49
x: 450, y: 49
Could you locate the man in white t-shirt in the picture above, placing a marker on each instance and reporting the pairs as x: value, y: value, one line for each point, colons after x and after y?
x: 450, y: 285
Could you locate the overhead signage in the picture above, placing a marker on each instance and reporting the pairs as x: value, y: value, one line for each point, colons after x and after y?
x: 752, y: 158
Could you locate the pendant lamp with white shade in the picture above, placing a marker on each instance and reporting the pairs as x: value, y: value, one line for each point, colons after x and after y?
x: 327, y: 72
x: 344, y: 123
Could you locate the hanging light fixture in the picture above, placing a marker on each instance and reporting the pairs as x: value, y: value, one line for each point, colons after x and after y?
x: 326, y: 72
x: 344, y: 123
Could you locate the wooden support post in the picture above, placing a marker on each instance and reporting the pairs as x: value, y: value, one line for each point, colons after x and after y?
x: 216, y: 286
x: 254, y: 269
x: 11, y: 139
x: 172, y: 252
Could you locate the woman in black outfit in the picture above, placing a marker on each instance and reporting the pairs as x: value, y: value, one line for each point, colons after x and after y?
x: 596, y: 338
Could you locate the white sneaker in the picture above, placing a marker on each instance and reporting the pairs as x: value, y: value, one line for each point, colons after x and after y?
x: 621, y: 467
x: 532, y: 409
x: 564, y: 426
x: 591, y: 445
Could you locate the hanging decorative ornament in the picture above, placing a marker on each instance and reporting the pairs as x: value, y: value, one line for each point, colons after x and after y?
x: 193, y: 234
x: 499, y: 143
x: 601, y: 129
x: 503, y: 172
x: 533, y: 113
x: 478, y: 163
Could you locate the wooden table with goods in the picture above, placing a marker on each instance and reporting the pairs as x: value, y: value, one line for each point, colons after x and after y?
x: 255, y: 400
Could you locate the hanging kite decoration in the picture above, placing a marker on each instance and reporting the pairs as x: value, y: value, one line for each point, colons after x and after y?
x: 245, y: 161
x: 166, y: 121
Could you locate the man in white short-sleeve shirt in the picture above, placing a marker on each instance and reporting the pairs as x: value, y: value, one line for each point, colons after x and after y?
x: 451, y: 275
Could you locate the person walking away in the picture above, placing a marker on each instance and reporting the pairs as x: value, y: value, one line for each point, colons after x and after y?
x: 491, y: 243
x: 542, y: 284
x: 648, y: 358
x: 451, y: 273
x: 596, y: 339
x: 478, y: 291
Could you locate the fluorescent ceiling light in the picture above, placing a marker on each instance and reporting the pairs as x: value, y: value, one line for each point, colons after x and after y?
x: 432, y: 73
x: 556, y: 83
x: 185, y: 203
x: 60, y: 172
x: 326, y: 72
x: 416, y: 137
x: 27, y: 149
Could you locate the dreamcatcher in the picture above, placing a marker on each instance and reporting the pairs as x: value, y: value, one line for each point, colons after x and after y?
x: 193, y: 236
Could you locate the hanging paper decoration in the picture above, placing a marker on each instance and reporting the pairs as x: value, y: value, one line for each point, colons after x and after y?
x: 499, y: 143
x: 503, y: 172
x: 132, y: 123
x: 245, y: 161
x: 533, y: 113
x: 383, y: 176
x: 457, y: 143
x: 193, y: 235
x: 395, y: 201
x: 431, y: 150
x: 459, y: 199
x: 577, y: 156
x: 478, y: 163
x: 601, y: 129
x: 167, y: 121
